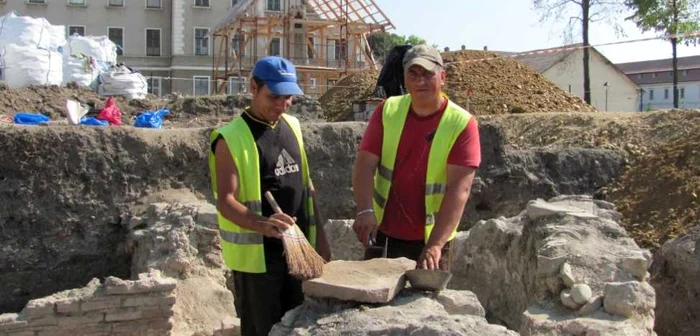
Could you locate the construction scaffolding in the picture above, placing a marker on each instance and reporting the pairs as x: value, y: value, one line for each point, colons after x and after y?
x: 325, y: 39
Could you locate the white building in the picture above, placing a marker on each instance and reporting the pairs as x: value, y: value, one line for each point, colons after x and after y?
x: 611, y: 89
x: 656, y: 80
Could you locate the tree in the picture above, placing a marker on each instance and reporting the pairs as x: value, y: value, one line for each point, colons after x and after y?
x: 382, y: 42
x: 584, y: 12
x: 673, y: 18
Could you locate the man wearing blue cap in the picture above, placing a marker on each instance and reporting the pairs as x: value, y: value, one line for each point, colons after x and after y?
x: 262, y: 150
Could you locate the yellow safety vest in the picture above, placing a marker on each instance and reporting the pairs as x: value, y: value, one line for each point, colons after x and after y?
x: 452, y: 123
x: 242, y: 249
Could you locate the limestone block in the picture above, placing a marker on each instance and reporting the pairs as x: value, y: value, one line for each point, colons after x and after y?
x: 627, y: 298
x: 102, y: 303
x: 540, y: 208
x: 591, y: 306
x: 567, y: 276
x: 155, y: 299
x: 460, y: 302
x: 78, y: 320
x: 115, y: 285
x: 567, y: 301
x: 636, y: 264
x: 207, y: 216
x: 372, y: 281
x: 343, y: 241
x: 581, y: 293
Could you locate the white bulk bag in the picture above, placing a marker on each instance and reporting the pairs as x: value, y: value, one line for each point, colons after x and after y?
x: 80, y: 69
x: 29, y: 31
x: 120, y: 81
x: 99, y: 47
x: 24, y: 66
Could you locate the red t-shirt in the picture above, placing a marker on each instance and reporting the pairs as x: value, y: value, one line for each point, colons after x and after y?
x: 404, y: 215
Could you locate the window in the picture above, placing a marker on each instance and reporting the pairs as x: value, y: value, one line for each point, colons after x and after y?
x: 155, y: 86
x: 651, y: 94
x: 77, y: 2
x: 332, y: 83
x: 72, y: 30
x: 682, y: 93
x: 201, y: 85
x: 639, y: 76
x: 237, y: 45
x: 653, y: 75
x: 116, y: 35
x: 234, y: 2
x: 237, y: 85
x: 665, y: 93
x: 274, y: 47
x: 313, y: 83
x: 201, y: 3
x: 154, y: 4
x: 685, y: 73
x: 201, y: 41
x: 152, y: 42
x: 274, y: 5
x: 670, y: 74
x: 116, y: 3
x: 310, y: 48
x: 36, y: 1
x: 336, y: 49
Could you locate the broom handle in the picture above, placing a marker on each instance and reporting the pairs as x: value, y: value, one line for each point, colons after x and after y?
x: 275, y: 207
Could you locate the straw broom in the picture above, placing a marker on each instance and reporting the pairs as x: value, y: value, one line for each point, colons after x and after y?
x: 303, y: 260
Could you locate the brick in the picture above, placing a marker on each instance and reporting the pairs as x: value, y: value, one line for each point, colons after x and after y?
x: 152, y: 313
x: 13, y: 325
x: 43, y: 321
x: 68, y: 306
x: 8, y: 318
x: 21, y: 333
x: 38, y: 308
x: 101, y: 304
x: 86, y: 318
x: 130, y: 326
x: 158, y: 299
x: 101, y: 327
x: 126, y: 314
x: 161, y: 324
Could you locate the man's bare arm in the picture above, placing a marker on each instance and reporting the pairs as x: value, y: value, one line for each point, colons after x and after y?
x: 363, y: 188
x: 459, y: 182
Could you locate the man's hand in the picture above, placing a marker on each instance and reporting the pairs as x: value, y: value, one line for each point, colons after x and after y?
x: 274, y: 225
x: 430, y: 257
x: 365, y: 225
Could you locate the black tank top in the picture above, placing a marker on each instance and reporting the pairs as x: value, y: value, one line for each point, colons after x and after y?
x: 280, y: 173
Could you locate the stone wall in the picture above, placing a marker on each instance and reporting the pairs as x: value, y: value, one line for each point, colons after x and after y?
x: 117, y: 307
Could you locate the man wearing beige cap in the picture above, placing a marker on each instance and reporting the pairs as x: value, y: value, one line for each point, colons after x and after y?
x: 415, y: 167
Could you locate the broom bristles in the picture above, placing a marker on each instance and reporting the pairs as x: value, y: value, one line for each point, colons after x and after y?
x: 303, y: 260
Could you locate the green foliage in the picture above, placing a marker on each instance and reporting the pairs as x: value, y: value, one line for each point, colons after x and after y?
x: 382, y: 42
x: 669, y: 17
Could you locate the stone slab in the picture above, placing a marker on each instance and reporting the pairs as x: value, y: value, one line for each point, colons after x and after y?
x: 371, y: 281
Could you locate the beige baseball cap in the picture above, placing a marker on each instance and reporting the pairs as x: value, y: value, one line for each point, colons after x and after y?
x: 423, y: 55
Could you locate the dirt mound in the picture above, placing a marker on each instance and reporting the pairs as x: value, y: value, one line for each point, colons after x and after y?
x: 489, y: 85
x: 184, y: 111
x: 658, y: 195
x: 337, y: 102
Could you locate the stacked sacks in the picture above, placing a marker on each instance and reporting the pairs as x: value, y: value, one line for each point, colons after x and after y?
x: 30, y: 51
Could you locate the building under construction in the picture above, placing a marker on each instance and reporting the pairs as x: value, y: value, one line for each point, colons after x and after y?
x: 326, y: 39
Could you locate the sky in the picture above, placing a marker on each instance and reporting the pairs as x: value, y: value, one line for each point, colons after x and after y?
x: 513, y: 25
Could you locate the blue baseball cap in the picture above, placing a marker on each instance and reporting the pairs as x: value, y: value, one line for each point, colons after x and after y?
x: 279, y: 75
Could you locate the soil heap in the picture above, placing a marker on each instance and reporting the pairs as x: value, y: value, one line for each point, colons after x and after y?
x: 481, y: 81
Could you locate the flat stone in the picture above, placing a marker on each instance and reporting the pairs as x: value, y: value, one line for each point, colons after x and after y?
x: 581, y: 293
x: 628, y: 298
x: 540, y: 208
x: 461, y: 302
x: 371, y: 281
x: 207, y: 216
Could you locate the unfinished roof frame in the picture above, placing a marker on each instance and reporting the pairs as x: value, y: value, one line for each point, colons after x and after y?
x: 347, y: 22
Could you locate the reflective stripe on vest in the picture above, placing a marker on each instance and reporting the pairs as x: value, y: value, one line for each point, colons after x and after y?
x: 453, y: 121
x: 242, y: 249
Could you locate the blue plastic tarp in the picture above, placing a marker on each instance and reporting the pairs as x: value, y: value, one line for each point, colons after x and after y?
x: 30, y: 118
x: 92, y: 121
x: 150, y: 119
